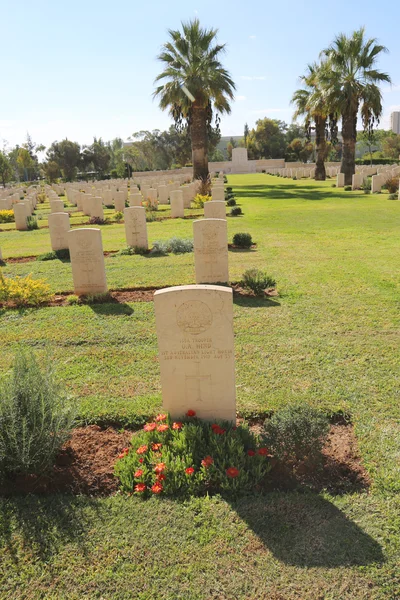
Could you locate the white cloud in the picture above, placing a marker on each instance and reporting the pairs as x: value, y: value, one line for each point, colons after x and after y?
x: 252, y: 37
x: 240, y: 98
x: 250, y: 78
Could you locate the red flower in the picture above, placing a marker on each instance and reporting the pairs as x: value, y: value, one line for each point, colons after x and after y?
x: 150, y: 426
x: 124, y: 452
x: 189, y: 471
x: 250, y: 452
x: 262, y: 451
x: 191, y: 413
x: 140, y: 487
x: 159, y: 468
x: 177, y: 425
x: 140, y: 460
x: 138, y: 473
x: 232, y: 472
x: 156, y: 447
x: 162, y: 428
x: 161, y: 417
x: 217, y: 429
x: 207, y: 461
x: 141, y: 450
x: 157, y: 488
x: 160, y: 477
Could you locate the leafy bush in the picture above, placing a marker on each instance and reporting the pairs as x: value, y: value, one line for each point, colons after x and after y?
x: 132, y: 250
x: 62, y: 254
x: 393, y: 196
x: 231, y: 202
x: 7, y: 216
x: 110, y: 206
x: 41, y: 198
x: 180, y: 246
x: 333, y: 185
x: 236, y: 211
x: 257, y: 281
x: 347, y: 188
x: 32, y: 223
x: 72, y: 299
x: 24, y: 291
x: 392, y: 185
x: 242, y: 240
x: 36, y: 417
x: 294, y: 178
x: 191, y: 458
x: 296, y: 432
x: 199, y: 200
x: 118, y: 216
x: 97, y: 221
x: 159, y: 248
x: 228, y: 188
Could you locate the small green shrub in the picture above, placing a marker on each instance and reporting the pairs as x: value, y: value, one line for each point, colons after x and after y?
x: 180, y: 246
x: 333, y: 185
x: 393, y: 196
x: 294, y: 178
x: 24, y: 291
x: 228, y: 188
x: 132, y: 250
x: 97, y: 221
x: 242, y: 240
x: 236, y: 211
x: 199, y: 200
x: 347, y: 188
x: 118, y: 216
x: 32, y: 223
x: 192, y: 458
x: 257, y: 281
x: 36, y: 416
x: 160, y: 248
x: 231, y: 202
x: 55, y: 254
x: 73, y: 299
x: 296, y: 432
x: 392, y: 185
x: 110, y: 206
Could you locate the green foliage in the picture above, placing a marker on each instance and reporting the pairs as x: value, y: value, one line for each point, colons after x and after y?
x: 347, y: 188
x: 36, y: 416
x: 393, y: 196
x: 31, y: 223
x: 160, y: 248
x: 296, y: 432
x: 267, y: 140
x: 192, y: 458
x: 199, y: 200
x: 67, y: 155
x: 7, y: 216
x: 118, y: 216
x: 72, y: 299
x: 242, y: 240
x: 55, y: 254
x: 257, y: 281
x: 392, y: 185
x: 180, y: 245
x: 236, y: 211
x: 132, y: 250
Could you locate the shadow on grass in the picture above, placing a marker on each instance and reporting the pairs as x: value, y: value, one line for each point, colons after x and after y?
x: 112, y: 308
x: 44, y: 525
x: 287, y: 191
x: 305, y: 530
x: 254, y: 301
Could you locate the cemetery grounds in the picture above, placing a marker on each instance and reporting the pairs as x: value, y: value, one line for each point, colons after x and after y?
x: 329, y: 339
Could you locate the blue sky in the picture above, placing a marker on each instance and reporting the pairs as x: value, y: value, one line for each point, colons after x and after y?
x: 86, y: 68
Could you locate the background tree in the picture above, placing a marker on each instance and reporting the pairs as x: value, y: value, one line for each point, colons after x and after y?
x: 267, y: 140
x: 67, y: 155
x: 391, y: 146
x: 351, y: 84
x: 246, y: 134
x: 231, y: 145
x: 51, y: 171
x: 25, y: 164
x: 192, y: 63
x: 5, y: 168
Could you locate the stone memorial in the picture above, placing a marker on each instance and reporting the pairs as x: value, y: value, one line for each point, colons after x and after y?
x: 56, y: 206
x: 87, y: 261
x: 135, y: 199
x: 21, y: 213
x: 194, y: 326
x: 217, y: 193
x: 211, y: 251
x: 177, y: 209
x: 340, y: 180
x: 59, y: 228
x: 136, y: 227
x: 215, y: 210
x: 119, y: 201
x: 96, y: 207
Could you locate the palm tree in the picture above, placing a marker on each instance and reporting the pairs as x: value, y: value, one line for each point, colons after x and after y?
x: 351, y: 83
x: 196, y: 83
x: 311, y: 103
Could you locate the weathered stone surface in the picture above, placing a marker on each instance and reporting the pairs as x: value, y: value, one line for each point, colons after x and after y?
x: 177, y: 209
x: 136, y: 227
x: 215, y: 210
x: 87, y: 261
x: 59, y: 228
x: 211, y: 251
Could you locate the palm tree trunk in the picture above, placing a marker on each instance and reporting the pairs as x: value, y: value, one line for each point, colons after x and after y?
x: 198, y: 132
x: 320, y: 147
x: 349, y: 134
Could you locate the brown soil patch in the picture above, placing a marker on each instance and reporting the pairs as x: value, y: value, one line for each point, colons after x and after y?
x: 86, y: 465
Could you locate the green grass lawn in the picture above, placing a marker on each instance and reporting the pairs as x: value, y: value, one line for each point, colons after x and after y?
x: 330, y: 339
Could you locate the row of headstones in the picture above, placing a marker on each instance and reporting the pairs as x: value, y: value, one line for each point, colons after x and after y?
x: 377, y: 180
